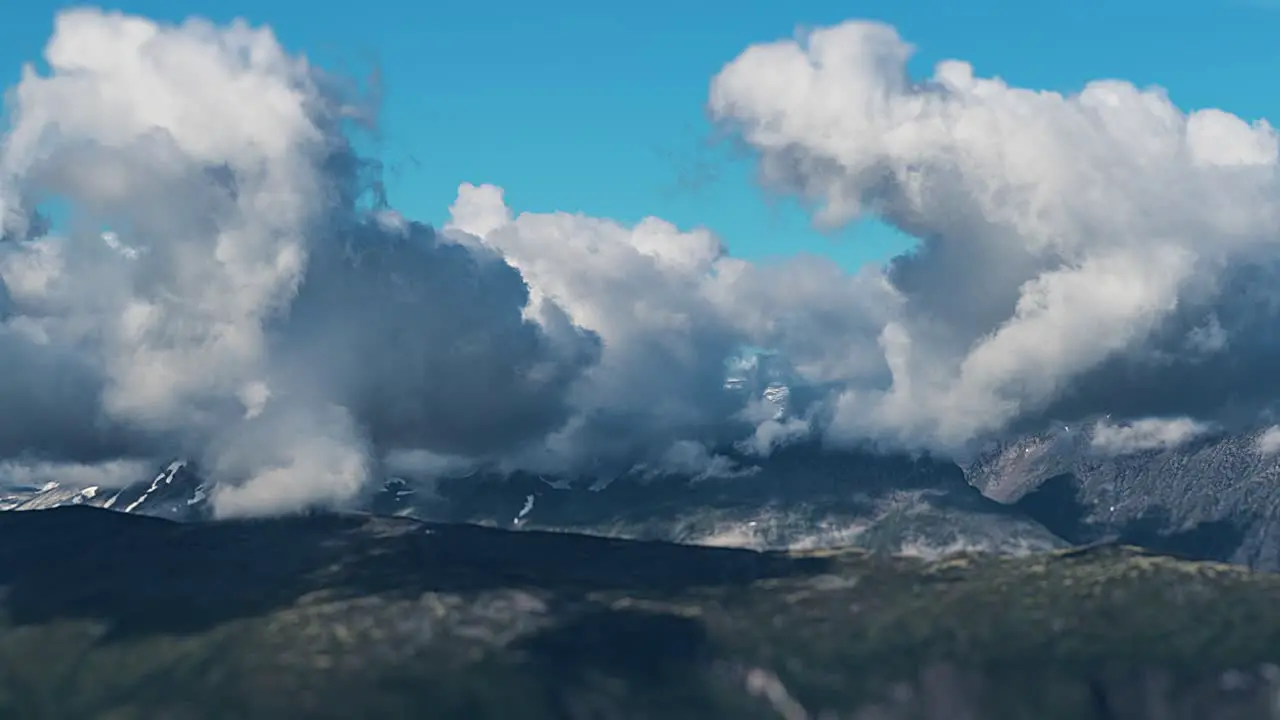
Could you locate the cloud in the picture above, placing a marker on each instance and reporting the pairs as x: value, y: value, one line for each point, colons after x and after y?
x: 221, y: 280
x: 1079, y: 253
x: 110, y: 474
x: 241, y: 308
x: 1146, y: 434
x: 647, y: 292
x: 1268, y: 442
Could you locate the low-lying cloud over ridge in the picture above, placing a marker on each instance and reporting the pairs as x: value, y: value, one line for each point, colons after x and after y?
x: 219, y: 286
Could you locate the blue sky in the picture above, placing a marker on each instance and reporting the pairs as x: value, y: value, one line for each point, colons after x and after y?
x: 597, y: 107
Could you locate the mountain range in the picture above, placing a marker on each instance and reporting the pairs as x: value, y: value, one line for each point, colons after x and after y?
x: 1216, y: 497
x: 840, y: 583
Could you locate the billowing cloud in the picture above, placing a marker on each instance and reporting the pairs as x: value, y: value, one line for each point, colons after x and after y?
x: 192, y: 265
x: 645, y: 291
x: 1079, y: 253
x: 215, y: 290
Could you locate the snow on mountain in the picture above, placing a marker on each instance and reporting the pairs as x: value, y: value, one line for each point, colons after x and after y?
x: 801, y: 497
x: 1180, y: 490
x: 176, y: 492
x: 779, y: 396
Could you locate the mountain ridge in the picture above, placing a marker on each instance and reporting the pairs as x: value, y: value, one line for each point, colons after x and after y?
x: 1215, y: 497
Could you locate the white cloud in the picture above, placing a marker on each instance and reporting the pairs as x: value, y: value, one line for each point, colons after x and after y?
x: 1060, y: 232
x: 1145, y: 434
x: 1080, y: 254
x: 645, y: 291
x: 110, y: 473
x: 266, y: 326
x: 1269, y: 441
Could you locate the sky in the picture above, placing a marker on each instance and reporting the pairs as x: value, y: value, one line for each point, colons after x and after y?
x: 1092, y: 190
x: 597, y: 107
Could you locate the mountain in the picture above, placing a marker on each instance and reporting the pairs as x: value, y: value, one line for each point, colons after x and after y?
x: 106, y: 614
x: 176, y: 492
x: 1215, y: 497
x: 800, y: 497
x: 1218, y: 493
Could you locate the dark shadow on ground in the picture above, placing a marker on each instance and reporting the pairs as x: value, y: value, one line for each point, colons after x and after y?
x: 144, y: 575
x: 664, y: 658
x: 1056, y: 504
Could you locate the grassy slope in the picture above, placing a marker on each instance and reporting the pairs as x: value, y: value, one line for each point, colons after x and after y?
x: 117, y: 617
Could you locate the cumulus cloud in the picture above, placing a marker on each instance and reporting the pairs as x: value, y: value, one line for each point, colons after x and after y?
x: 194, y: 263
x: 1096, y: 251
x: 646, y: 292
x: 216, y: 290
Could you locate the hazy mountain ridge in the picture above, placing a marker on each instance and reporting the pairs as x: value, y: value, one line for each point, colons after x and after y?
x: 1216, y: 497
x: 801, y: 497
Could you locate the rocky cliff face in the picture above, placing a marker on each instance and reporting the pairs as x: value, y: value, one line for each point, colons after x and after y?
x: 1218, y: 495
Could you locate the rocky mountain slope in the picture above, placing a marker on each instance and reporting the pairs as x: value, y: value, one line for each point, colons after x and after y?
x: 175, y: 492
x: 1218, y: 493
x: 354, y: 616
x: 802, y: 497
x: 1217, y: 497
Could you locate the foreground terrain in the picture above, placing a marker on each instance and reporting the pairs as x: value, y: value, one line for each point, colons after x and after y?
x: 108, y: 615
